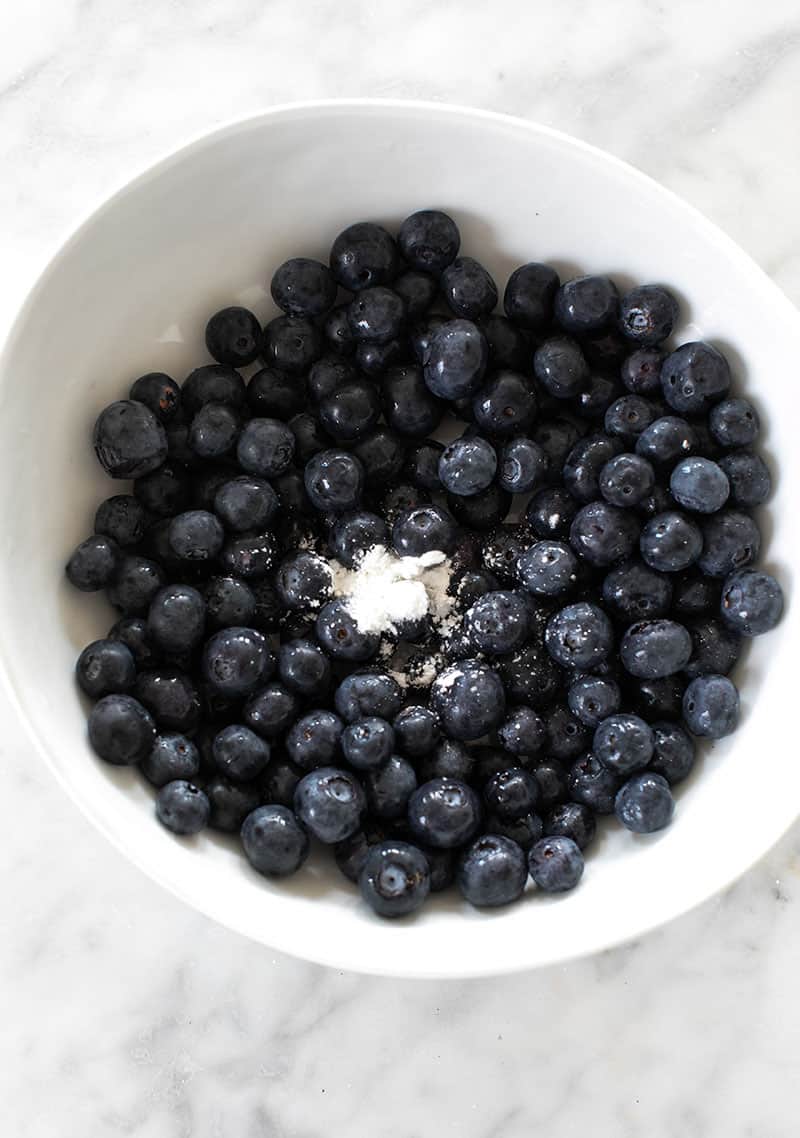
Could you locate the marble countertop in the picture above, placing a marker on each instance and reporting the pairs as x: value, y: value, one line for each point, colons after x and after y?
x: 124, y: 1013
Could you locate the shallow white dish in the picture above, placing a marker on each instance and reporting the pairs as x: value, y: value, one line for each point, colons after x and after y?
x: 130, y: 292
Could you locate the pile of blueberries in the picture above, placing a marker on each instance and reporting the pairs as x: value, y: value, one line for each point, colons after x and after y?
x: 595, y: 507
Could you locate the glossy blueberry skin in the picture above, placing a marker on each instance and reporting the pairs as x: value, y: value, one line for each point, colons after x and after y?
x: 389, y: 787
x: 376, y: 314
x: 334, y: 481
x: 368, y: 693
x: 695, y: 595
x: 586, y: 304
x: 482, y: 511
x: 368, y: 743
x: 553, y: 784
x: 560, y: 367
x: 121, y: 730
x: 492, y: 871
x: 421, y: 466
x: 273, y: 395
x: 273, y: 841
x: 548, y: 569
x: 647, y: 315
x: 132, y: 632
x: 444, y: 813
x: 641, y: 371
x: 502, y: 549
x: 309, y: 437
x: 249, y: 555
x: 523, y: 466
x: 408, y: 405
x: 591, y: 699
x: 579, y: 636
x: 291, y: 344
x: 233, y: 336
x: 497, y: 622
x: 584, y: 462
x: 129, y: 440
x: 395, y: 879
x: 626, y: 479
x: 700, y: 485
x: 571, y: 820
x: 172, y: 756
x: 364, y: 255
x: 182, y: 807
x: 417, y: 290
x: 555, y: 864
x: 469, y: 700
x: 271, y: 710
x: 429, y: 240
x: 382, y: 454
x: 628, y: 417
x: 423, y: 529
x: 330, y: 803
x: 731, y: 541
x: 341, y: 637
x: 557, y: 437
x: 695, y: 377
x: 505, y: 404
x: 602, y: 534
x: 656, y: 699
x: 177, y: 618
x: 354, y: 533
x: 734, y: 423
x: 597, y: 396
x: 246, y: 503
x: 667, y: 440
x: 265, y: 448
x: 508, y: 345
x: 135, y: 583
x: 673, y: 752
x: 715, y: 647
x: 651, y: 649
x: 416, y: 730
x: 635, y: 592
x: 374, y: 360
x: 623, y: 743
x: 593, y: 785
x: 196, y: 535
x: 239, y: 753
x: 314, y: 739
x: 567, y: 737
x: 122, y: 519
x: 468, y: 465
x: 336, y: 332
x: 213, y: 431
x: 94, y: 563
x: 171, y: 698
x: 326, y: 375
x: 236, y: 661
x: 670, y: 542
x: 522, y: 732
x: 751, y: 603
x: 105, y: 667
x: 530, y: 294
x: 456, y: 360
x: 160, y: 393
x: 230, y: 802
x: 448, y: 759
x: 303, y: 287
x: 550, y: 512
x: 749, y: 478
x: 645, y: 804
x: 511, y: 794
x: 304, y: 581
x: 468, y: 289
x: 213, y: 383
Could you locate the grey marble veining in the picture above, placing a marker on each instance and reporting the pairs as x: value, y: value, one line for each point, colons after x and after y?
x: 124, y: 1013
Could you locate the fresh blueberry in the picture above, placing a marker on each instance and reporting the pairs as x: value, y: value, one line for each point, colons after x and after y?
x: 340, y: 635
x: 303, y: 287
x: 122, y: 519
x: 214, y: 383
x: 160, y: 393
x: 382, y: 454
x: 444, y: 813
x: 456, y: 360
x: 695, y: 595
x: 468, y: 465
x: 309, y: 437
x: 492, y: 871
x: 352, y: 534
x: 670, y: 542
x: 647, y: 314
x: 731, y: 541
x: 597, y: 396
x: 408, y: 405
x: 553, y: 784
x: 626, y: 479
x: 129, y: 440
x: 602, y: 534
x: 592, y: 784
x: 172, y: 756
x: 313, y: 740
x: 423, y: 529
x: 734, y: 423
x: 715, y: 647
x: 556, y: 864
x: 429, y: 240
x: 695, y: 377
x: 246, y: 503
x: 567, y: 737
x: 571, y: 820
x: 368, y: 743
x: 591, y: 699
x: 330, y: 804
x: 236, y: 661
x: 548, y: 569
x: 239, y: 753
x: 623, y: 743
x: 421, y: 333
x: 389, y: 787
x: 497, y: 623
x: 449, y: 759
x: 749, y: 478
x: 529, y: 295
x: 374, y: 360
x: 336, y: 331
x: 368, y: 693
x: 327, y: 375
x: 508, y: 345
x: 560, y: 367
x: 645, y: 804
x: 417, y: 290
x: 265, y: 448
x: 752, y: 602
x: 279, y: 782
x: 586, y: 459
x: 557, y: 437
x: 182, y: 807
x: 654, y: 648
x: 421, y: 465
x: 271, y: 710
x: 291, y: 344
x: 505, y: 404
x: 667, y: 440
x: 511, y: 794
x: 502, y: 549
x: 579, y: 636
x: 171, y: 698
x: 699, y: 484
x: 641, y: 371
x: 395, y: 879
x: 659, y: 502
x: 121, y: 730
x: 586, y: 304
x: 273, y: 395
x: 364, y: 255
x: 481, y: 511
x: 233, y: 336
x: 468, y: 289
x: 105, y: 667
x: 135, y: 583
x: 196, y: 535
x: 550, y: 512
x: 376, y: 314
x: 177, y: 619
x: 469, y: 700
x: 132, y: 632
x: 673, y: 752
x: 334, y: 481
x: 304, y: 581
x: 523, y: 466
x: 213, y: 431
x: 94, y: 563
x: 249, y: 555
x: 230, y: 802
x: 522, y: 732
x: 416, y: 730
x: 656, y: 699
x: 273, y: 841
x: 636, y: 592
x: 628, y: 417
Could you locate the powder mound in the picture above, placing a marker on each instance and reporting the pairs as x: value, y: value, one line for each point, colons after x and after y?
x: 385, y: 591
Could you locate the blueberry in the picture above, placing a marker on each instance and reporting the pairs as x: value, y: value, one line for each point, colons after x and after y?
x: 444, y: 813
x: 560, y: 367
x: 196, y: 535
x: 623, y: 743
x: 429, y: 240
x: 571, y: 820
x: 389, y: 787
x: 695, y: 377
x: 548, y: 569
x: 273, y: 395
x: 628, y: 417
x: 660, y: 698
x: 670, y: 542
x: 553, y: 783
x: 523, y: 831
x: 291, y: 344
x: 265, y: 448
x: 645, y: 804
x: 636, y: 592
x: 273, y: 841
x: 694, y: 595
x: 327, y: 375
x: 214, y: 383
x: 336, y: 331
x: 511, y: 794
x: 368, y: 693
x: 550, y: 512
x: 603, y: 534
x: 303, y: 287
x: 752, y: 602
x: 557, y: 437
x: 160, y: 393
x: 135, y: 583
x: 556, y: 864
x: 340, y: 636
x: 579, y: 636
x: 731, y: 541
x: 508, y: 346
x: 502, y: 549
x: 176, y: 620
x: 470, y: 585
x: 497, y: 623
x: 132, y: 632
x: 170, y: 697
x: 165, y: 492
x: 374, y: 360
x: 279, y: 782
x: 522, y: 732
x: 641, y: 371
x: 376, y: 314
x: 129, y: 440
x: 654, y: 648
x: 647, y: 314
x: 449, y: 759
x: 334, y: 481
x: 667, y: 440
x: 271, y: 710
x: 597, y: 396
x: 408, y: 405
x: 468, y: 465
x: 249, y: 555
x: 236, y: 661
x: 423, y: 529
x: 105, y: 667
x: 230, y: 802
x: 313, y: 740
x: 239, y: 753
x: 382, y: 454
x: 182, y: 807
x: 309, y: 437
x: 673, y: 752
x: 659, y: 502
x: 468, y: 289
x: 468, y: 699
x: 421, y: 333
x: 94, y: 563
x: 368, y: 743
x: 529, y: 295
x: 364, y: 255
x: 417, y: 731
x: 330, y: 804
x: 567, y: 737
x: 626, y: 479
x: 523, y: 466
x: 715, y: 647
x: 421, y: 465
x: 481, y: 511
x: 246, y: 503
x: 749, y: 478
x: 581, y: 473
x: 591, y: 699
x: 417, y: 290
x: 586, y: 304
x: 395, y: 878
x: 213, y: 431
x: 505, y: 404
x: 699, y: 484
x: 304, y: 581
x: 121, y: 730
x: 291, y: 491
x: 122, y: 519
x: 492, y: 871
x: 456, y: 360
x: 354, y: 533
x: 233, y: 336
x: 734, y: 423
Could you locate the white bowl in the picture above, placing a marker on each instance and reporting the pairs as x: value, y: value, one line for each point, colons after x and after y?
x: 130, y: 293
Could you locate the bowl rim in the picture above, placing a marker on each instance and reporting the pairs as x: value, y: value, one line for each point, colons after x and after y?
x: 753, y: 846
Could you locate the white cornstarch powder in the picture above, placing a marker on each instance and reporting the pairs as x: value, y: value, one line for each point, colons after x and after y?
x: 385, y: 590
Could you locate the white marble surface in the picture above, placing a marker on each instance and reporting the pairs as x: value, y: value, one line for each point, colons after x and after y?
x: 126, y: 1014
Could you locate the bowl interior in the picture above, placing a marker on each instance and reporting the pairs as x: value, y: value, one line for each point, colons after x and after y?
x: 130, y: 293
